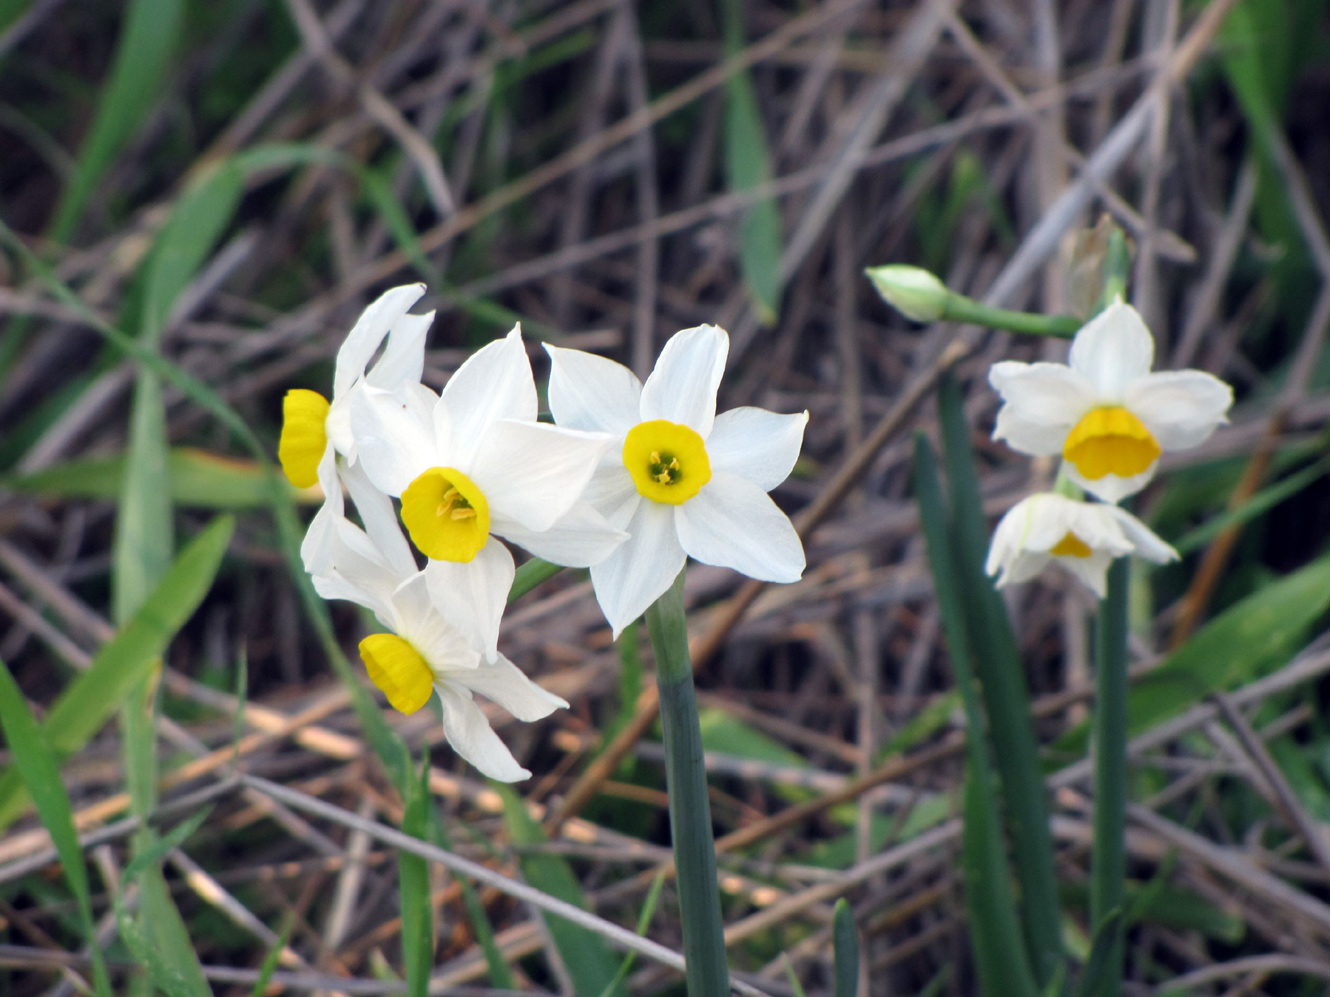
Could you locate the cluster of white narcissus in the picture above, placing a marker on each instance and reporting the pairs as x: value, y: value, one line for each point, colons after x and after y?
x: 1109, y: 418
x: 630, y: 480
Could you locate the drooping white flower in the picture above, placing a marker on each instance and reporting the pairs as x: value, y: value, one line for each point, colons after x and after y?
x: 427, y: 646
x: 473, y: 461
x: 1082, y: 537
x: 311, y: 425
x: 1105, y: 412
x: 679, y: 479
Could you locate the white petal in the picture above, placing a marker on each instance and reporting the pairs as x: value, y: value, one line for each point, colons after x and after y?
x: 757, y: 445
x: 359, y: 573
x: 380, y: 519
x: 734, y: 524
x: 1041, y: 404
x: 1112, y: 350
x: 494, y: 383
x: 1146, y: 543
x: 683, y: 386
x: 471, y: 596
x: 471, y: 736
x: 1091, y: 571
x: 1111, y: 488
x: 1025, y: 565
x: 532, y: 473
x: 506, y: 684
x: 395, y: 435
x: 1181, y: 408
x: 641, y: 569
x: 580, y: 538
x: 403, y: 359
x: 316, y: 550
x: 368, y: 332
x: 591, y: 392
x: 611, y: 491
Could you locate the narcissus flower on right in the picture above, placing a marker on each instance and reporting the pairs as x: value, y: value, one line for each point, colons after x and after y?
x: 1083, y: 537
x: 1107, y: 415
x: 679, y: 479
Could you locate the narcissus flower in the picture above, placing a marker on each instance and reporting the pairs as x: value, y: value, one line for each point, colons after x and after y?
x: 680, y: 480
x: 474, y: 461
x: 424, y: 649
x: 311, y: 425
x: 1083, y: 537
x: 1107, y: 415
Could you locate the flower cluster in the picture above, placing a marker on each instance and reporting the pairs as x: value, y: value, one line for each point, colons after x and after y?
x: 630, y: 480
x: 1110, y: 419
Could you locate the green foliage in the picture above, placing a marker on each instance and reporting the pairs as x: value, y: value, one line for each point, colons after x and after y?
x: 845, y: 938
x: 413, y: 884
x: 131, y: 654
x: 148, y: 37
x: 197, y: 478
x: 589, y: 961
x: 747, y: 166
x: 37, y: 766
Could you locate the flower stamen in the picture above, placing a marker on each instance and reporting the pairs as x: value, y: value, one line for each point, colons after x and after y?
x: 447, y: 516
x: 668, y: 461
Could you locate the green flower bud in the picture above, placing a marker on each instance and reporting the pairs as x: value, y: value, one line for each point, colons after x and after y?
x: 912, y: 291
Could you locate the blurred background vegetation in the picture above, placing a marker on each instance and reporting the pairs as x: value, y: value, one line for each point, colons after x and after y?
x: 228, y: 182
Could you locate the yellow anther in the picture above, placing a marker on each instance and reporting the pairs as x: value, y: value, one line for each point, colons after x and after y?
x: 464, y: 512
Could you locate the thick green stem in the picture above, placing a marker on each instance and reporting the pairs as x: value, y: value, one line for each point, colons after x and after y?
x: 1109, y: 860
x: 958, y: 308
x: 690, y: 812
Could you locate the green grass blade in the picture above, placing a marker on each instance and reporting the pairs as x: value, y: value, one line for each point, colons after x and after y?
x: 93, y: 696
x: 144, y: 536
x: 500, y: 973
x: 643, y: 923
x: 197, y: 478
x: 1108, y: 856
x: 413, y: 883
x: 147, y: 39
x: 845, y: 943
x: 587, y: 957
x: 1001, y: 674
x: 1000, y: 956
x: 1098, y: 968
x: 748, y: 165
x: 36, y: 765
x: 1259, y: 504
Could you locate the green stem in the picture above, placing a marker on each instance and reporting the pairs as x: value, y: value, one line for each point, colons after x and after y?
x: 1109, y: 860
x: 690, y: 811
x: 959, y: 308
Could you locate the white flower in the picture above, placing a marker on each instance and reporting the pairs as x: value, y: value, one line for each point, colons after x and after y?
x: 426, y: 648
x: 474, y: 461
x: 1083, y: 537
x: 679, y: 479
x: 1106, y: 414
x: 311, y: 426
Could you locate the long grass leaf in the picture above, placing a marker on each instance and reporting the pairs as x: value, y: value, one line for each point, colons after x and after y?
x: 148, y: 35
x: 37, y: 766
x: 500, y: 973
x: 748, y: 165
x: 93, y: 696
x: 1006, y: 697
x: 589, y: 961
x: 1001, y: 960
x: 845, y: 944
x: 413, y: 884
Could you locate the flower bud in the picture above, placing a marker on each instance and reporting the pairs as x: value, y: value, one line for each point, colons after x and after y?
x: 912, y: 291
